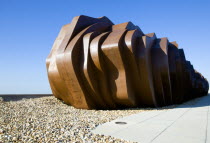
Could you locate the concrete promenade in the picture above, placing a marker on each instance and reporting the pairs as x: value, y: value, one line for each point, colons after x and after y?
x: 183, y: 124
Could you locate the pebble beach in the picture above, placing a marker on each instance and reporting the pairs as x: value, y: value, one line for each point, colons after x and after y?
x: 47, y: 119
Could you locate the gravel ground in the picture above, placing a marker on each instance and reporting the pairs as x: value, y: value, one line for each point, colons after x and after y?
x: 47, y: 119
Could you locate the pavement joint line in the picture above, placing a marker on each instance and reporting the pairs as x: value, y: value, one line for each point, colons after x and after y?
x: 207, y: 125
x: 200, y: 109
x: 170, y: 125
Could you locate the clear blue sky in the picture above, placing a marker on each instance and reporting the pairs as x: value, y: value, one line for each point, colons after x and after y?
x: 28, y: 29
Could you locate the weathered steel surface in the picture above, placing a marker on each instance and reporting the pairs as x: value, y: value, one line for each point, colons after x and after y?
x: 95, y: 64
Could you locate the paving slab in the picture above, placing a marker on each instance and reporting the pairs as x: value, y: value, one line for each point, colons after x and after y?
x: 187, y: 123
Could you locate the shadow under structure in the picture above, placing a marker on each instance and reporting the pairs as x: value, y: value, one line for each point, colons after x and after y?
x: 95, y: 64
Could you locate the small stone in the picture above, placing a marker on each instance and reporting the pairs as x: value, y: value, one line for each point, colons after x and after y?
x: 14, y: 139
x: 1, y: 131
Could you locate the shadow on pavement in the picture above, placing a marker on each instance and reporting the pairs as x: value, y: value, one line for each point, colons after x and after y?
x: 197, y: 102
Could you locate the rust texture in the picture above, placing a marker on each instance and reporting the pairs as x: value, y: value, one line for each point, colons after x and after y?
x: 95, y: 64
